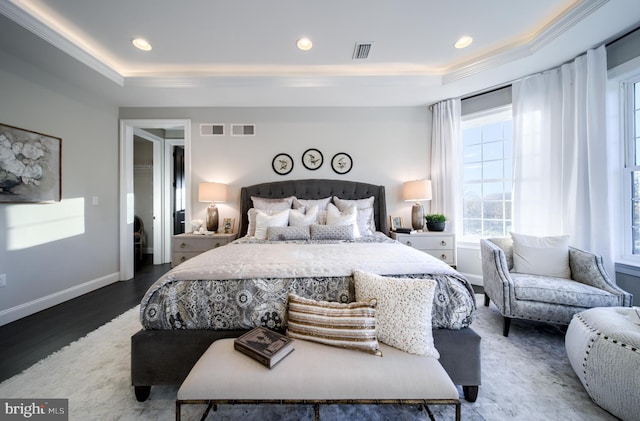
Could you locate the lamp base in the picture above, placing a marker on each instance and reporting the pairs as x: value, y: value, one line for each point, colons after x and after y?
x: 417, y: 216
x: 212, y: 218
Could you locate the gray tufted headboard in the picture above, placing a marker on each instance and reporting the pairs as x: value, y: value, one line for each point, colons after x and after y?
x: 315, y: 189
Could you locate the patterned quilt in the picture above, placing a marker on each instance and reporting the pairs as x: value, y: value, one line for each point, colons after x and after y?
x: 246, y: 283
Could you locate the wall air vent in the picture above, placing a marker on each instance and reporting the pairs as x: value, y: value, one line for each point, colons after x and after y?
x: 211, y: 129
x: 243, y: 130
x: 362, y: 50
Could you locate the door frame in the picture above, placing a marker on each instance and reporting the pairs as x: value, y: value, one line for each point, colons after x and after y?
x: 126, y: 207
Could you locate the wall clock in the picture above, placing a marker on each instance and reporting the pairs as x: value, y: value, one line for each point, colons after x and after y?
x: 312, y: 159
x: 341, y: 163
x: 282, y: 163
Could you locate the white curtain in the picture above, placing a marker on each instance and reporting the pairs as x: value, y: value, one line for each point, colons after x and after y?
x: 560, y: 154
x: 445, y: 140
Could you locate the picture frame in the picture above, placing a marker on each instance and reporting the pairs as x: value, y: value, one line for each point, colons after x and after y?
x: 395, y: 222
x: 341, y: 163
x: 312, y: 159
x: 282, y: 164
x: 31, y: 166
x: 228, y: 225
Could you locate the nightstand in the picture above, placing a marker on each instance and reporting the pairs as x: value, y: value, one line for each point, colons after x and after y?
x: 441, y: 245
x: 186, y: 246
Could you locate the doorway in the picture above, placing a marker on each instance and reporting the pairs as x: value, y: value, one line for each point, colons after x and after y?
x: 163, y: 213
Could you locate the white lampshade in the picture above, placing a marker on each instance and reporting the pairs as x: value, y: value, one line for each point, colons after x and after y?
x: 416, y: 190
x: 212, y: 192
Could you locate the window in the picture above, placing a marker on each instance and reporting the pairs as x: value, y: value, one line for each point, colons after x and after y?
x: 486, y: 174
x: 632, y: 166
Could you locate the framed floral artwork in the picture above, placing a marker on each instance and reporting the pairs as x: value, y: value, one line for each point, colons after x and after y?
x: 30, y: 166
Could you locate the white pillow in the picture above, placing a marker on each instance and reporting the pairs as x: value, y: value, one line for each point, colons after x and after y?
x: 348, y: 217
x: 546, y: 256
x: 307, y: 203
x: 404, y: 310
x: 366, y: 221
x: 264, y: 203
x: 298, y: 218
x: 264, y: 221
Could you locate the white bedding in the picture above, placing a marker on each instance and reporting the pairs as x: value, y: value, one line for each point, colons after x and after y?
x: 293, y: 260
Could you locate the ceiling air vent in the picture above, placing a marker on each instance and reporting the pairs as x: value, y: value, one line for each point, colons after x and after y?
x: 211, y: 129
x: 362, y: 50
x: 243, y: 130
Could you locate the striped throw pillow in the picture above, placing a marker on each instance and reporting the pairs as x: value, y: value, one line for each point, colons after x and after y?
x: 351, y: 325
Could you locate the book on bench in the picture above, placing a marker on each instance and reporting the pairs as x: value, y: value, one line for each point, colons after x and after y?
x: 264, y: 345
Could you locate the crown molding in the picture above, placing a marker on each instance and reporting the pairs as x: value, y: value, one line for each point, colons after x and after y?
x: 23, y: 18
x: 517, y: 51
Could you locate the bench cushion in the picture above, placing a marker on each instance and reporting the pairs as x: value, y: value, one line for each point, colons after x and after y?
x: 316, y: 372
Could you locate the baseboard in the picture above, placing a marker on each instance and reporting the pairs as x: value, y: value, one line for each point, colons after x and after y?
x: 23, y: 310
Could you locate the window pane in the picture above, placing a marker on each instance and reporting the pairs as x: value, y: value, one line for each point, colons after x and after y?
x: 492, y: 132
x: 492, y: 150
x: 493, y: 191
x: 492, y: 170
x: 493, y: 210
x: 636, y: 240
x: 471, y: 136
x: 472, y: 227
x: 493, y: 228
x: 472, y: 172
x: 472, y: 154
x: 472, y: 208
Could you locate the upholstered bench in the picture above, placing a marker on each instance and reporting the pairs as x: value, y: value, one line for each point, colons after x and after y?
x: 317, y: 374
x: 603, y: 346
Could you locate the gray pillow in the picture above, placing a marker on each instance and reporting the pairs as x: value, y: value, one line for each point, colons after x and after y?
x: 332, y: 232
x: 300, y: 232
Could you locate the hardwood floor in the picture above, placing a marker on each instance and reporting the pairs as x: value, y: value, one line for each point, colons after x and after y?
x: 28, y: 340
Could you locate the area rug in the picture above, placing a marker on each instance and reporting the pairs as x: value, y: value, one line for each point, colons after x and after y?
x: 526, y: 376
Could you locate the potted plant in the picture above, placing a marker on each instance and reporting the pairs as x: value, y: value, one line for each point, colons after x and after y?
x: 435, y: 221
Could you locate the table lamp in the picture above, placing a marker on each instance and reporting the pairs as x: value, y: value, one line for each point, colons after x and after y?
x: 416, y: 191
x: 212, y: 193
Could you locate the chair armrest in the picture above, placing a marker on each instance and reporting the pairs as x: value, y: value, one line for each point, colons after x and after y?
x: 495, y: 275
x: 587, y: 268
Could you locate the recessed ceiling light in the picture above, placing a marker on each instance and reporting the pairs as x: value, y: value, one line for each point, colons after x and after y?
x: 304, y: 44
x: 463, y: 42
x: 141, y: 43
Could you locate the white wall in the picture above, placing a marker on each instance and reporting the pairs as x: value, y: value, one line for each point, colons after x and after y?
x: 388, y: 145
x: 53, y: 252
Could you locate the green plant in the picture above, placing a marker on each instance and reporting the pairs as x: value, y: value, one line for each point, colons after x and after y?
x: 435, y: 217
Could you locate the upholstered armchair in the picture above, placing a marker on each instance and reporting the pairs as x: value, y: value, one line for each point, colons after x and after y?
x: 545, y: 298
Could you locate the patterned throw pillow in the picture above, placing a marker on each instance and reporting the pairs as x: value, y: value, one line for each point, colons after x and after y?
x: 403, y: 312
x: 288, y: 233
x: 351, y: 325
x: 332, y: 232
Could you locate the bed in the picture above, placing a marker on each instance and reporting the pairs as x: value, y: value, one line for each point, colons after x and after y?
x: 226, y: 291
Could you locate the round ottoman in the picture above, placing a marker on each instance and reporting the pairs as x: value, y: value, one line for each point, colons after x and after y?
x: 603, y: 345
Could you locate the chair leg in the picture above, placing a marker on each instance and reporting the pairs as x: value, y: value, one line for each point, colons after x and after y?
x: 507, y: 325
x: 487, y: 300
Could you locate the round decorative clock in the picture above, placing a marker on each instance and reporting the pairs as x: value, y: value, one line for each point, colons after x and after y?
x: 312, y: 159
x: 341, y: 163
x: 282, y: 164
